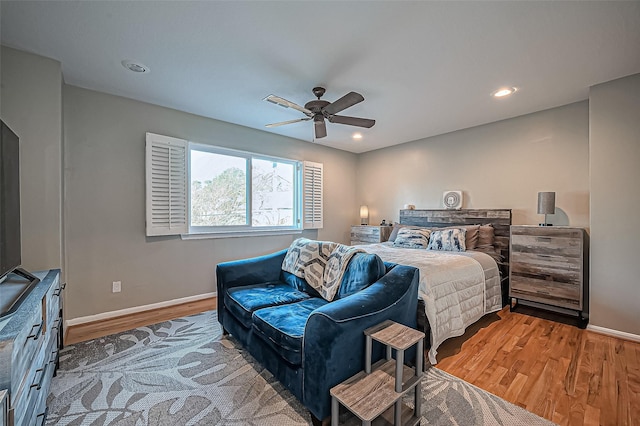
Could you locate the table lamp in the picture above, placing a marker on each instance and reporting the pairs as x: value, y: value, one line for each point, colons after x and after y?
x: 364, y: 215
x: 546, y: 205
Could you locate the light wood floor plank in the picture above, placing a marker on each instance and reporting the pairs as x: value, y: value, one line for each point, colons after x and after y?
x: 556, y: 370
x: 575, y: 348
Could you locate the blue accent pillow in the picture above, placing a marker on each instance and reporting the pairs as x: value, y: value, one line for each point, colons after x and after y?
x: 448, y: 240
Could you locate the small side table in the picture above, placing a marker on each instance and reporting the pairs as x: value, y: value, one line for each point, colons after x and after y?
x: 377, y: 392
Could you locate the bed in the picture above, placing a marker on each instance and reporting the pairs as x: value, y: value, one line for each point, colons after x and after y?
x: 456, y: 288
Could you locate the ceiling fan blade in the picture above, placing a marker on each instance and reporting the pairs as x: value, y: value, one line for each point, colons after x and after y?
x: 351, y: 121
x: 282, y: 123
x: 287, y: 104
x: 320, y: 126
x: 344, y: 102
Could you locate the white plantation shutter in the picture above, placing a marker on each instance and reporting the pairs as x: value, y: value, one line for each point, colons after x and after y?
x: 312, y: 195
x: 166, y: 185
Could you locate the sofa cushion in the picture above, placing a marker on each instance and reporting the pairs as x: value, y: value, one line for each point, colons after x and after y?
x: 364, y: 269
x: 243, y: 301
x: 282, y: 327
x: 298, y: 283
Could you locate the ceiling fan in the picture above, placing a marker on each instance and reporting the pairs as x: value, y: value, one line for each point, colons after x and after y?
x: 318, y: 110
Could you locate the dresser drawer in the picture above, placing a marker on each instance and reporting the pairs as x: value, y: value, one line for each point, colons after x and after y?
x: 41, y: 392
x: 547, y: 267
x: 53, y: 304
x: 557, y: 294
x: 547, y: 231
x: 26, y: 399
x: 25, y: 349
x: 547, y: 245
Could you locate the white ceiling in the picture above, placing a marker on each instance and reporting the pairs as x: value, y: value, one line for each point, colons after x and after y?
x: 424, y: 68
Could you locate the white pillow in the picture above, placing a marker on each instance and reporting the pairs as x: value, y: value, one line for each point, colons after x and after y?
x: 448, y: 240
x: 412, y: 238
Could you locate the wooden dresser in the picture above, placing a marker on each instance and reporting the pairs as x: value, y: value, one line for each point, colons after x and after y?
x: 29, y: 345
x: 549, y: 265
x: 368, y: 234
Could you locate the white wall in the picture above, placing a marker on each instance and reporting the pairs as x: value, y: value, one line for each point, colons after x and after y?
x: 105, y: 210
x: 31, y: 105
x: 498, y: 165
x: 614, y: 116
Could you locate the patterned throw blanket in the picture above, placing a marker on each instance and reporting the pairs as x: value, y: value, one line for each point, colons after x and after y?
x: 320, y: 263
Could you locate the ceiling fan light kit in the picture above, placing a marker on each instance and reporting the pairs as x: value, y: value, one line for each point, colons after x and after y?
x: 319, y: 110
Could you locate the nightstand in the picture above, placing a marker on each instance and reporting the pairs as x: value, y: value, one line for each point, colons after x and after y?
x: 548, y: 265
x: 368, y: 234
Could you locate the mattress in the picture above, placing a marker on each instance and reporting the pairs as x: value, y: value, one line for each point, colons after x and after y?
x: 458, y: 288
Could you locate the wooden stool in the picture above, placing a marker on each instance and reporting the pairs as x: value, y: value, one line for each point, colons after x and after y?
x: 377, y: 392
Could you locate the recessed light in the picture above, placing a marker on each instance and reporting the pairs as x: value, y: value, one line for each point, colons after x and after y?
x: 357, y: 136
x: 134, y: 66
x: 505, y: 91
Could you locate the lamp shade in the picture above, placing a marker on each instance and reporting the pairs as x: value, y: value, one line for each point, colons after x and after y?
x: 364, y: 212
x: 546, y: 202
x: 364, y: 215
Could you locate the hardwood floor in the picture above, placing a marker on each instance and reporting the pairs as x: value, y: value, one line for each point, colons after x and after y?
x: 92, y: 330
x: 556, y: 370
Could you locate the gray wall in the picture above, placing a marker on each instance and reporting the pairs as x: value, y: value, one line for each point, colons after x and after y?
x: 31, y: 105
x: 105, y: 203
x: 614, y: 117
x: 498, y: 165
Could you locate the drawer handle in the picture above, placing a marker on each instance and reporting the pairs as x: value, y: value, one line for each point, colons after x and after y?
x: 59, y: 290
x: 36, y: 335
x: 544, y: 255
x: 543, y: 292
x: 544, y: 238
x: 43, y: 415
x: 43, y: 374
x: 54, y: 357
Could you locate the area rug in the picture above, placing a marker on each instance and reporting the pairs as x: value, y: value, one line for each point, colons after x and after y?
x: 184, y: 372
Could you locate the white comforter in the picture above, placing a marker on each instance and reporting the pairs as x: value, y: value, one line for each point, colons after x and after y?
x: 457, y: 288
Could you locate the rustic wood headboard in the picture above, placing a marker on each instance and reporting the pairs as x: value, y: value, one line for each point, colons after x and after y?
x: 499, y: 218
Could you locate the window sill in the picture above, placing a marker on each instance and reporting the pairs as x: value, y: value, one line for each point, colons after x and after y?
x: 239, y: 234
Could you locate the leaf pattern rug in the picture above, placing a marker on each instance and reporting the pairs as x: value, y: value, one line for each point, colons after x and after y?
x: 184, y: 372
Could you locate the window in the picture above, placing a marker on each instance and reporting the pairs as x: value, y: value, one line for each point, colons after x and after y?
x: 201, y: 189
x: 232, y: 190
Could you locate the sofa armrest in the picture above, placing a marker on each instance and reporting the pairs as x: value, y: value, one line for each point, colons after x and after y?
x: 244, y: 272
x: 334, y: 341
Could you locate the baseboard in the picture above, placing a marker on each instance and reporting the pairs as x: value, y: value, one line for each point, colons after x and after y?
x: 128, y: 311
x: 614, y: 333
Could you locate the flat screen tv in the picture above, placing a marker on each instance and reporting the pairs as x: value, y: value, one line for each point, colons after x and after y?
x: 10, y: 248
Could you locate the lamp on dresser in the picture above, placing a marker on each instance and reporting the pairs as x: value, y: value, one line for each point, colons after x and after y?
x: 546, y: 205
x: 364, y: 215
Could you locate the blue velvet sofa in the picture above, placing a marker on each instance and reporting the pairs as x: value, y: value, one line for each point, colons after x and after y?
x: 307, y: 343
